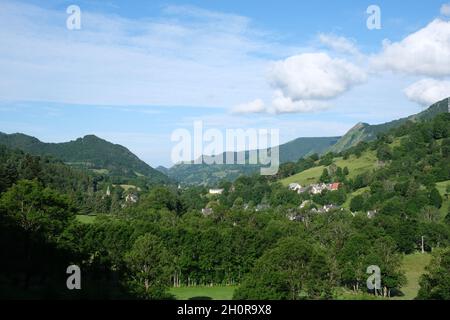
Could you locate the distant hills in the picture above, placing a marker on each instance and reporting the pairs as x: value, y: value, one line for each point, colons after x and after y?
x: 296, y: 149
x: 103, y: 157
x: 211, y: 174
x: 89, y: 152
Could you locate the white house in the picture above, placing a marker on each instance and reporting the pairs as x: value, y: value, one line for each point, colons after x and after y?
x: 305, y: 203
x: 207, y: 211
x: 216, y: 191
x: 298, y: 188
x: 371, y: 214
x: 131, y: 198
x: 318, y: 188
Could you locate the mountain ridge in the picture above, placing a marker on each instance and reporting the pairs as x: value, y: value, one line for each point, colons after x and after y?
x: 367, y: 132
x: 90, y: 152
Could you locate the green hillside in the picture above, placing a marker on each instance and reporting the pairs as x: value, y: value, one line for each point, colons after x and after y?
x: 414, y: 267
x: 366, y: 132
x: 356, y: 166
x: 89, y: 152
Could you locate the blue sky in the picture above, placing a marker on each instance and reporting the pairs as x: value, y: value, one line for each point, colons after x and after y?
x: 138, y: 70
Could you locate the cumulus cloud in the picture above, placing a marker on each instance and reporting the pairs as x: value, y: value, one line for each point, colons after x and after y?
x: 445, y: 9
x: 314, y: 76
x: 428, y: 91
x: 303, y: 83
x: 425, y: 52
x: 256, y: 106
x: 282, y: 104
x: 339, y: 44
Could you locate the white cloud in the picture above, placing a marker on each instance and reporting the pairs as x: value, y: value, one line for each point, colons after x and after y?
x: 428, y: 91
x: 256, y: 106
x: 425, y: 52
x: 302, y: 83
x: 314, y: 76
x: 282, y: 104
x: 339, y: 44
x: 445, y: 9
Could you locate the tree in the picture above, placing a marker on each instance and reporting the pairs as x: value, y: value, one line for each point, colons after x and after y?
x: 34, y: 208
x: 357, y: 203
x: 295, y: 269
x: 150, y: 268
x: 160, y: 198
x: 435, y: 198
x: 385, y: 256
x: 430, y: 214
x: 32, y: 219
x: 346, y: 171
x: 314, y: 157
x: 435, y: 284
x: 447, y: 217
x: 384, y: 153
x: 325, y: 177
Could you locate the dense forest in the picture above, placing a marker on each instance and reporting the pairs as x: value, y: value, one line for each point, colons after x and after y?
x: 269, y: 241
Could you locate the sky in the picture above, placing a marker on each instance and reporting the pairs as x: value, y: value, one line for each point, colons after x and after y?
x: 136, y: 71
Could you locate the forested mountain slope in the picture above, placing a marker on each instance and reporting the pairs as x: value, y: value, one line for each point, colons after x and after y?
x: 366, y: 132
x: 89, y: 152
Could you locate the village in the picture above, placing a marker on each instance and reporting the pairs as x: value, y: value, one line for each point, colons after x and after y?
x: 306, y: 206
x: 313, y: 189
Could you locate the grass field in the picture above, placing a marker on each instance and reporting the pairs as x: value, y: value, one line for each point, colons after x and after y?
x: 85, y: 219
x: 127, y: 187
x: 414, y: 266
x: 356, y: 166
x: 358, y: 192
x: 203, y: 293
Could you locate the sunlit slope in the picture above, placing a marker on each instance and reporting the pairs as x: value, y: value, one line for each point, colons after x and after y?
x: 356, y: 166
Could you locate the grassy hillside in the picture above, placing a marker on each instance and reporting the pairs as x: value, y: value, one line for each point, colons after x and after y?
x: 86, y: 219
x: 358, y: 192
x: 355, y: 165
x: 414, y: 266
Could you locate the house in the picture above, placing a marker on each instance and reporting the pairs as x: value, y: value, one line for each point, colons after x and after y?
x: 318, y: 188
x: 334, y: 186
x: 371, y: 214
x: 207, y: 212
x: 329, y: 207
x: 297, y: 187
x: 216, y: 191
x: 304, y: 204
x: 291, y: 215
x: 131, y: 198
